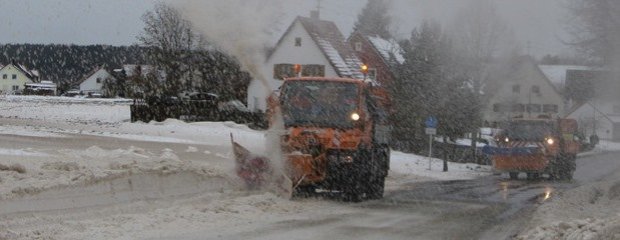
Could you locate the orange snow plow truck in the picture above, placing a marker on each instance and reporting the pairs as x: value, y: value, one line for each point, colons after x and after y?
x: 536, y: 147
x: 335, y: 136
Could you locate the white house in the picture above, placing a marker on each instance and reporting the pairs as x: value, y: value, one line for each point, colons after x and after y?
x: 93, y: 82
x: 598, y: 117
x: 317, y: 45
x: 520, y: 89
x: 14, y: 76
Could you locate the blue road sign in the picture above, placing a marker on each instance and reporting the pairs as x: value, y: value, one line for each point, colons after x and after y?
x: 431, y: 122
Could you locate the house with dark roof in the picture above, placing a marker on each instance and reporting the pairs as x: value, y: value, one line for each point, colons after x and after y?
x: 380, y: 55
x: 14, y: 76
x: 316, y: 45
x: 519, y: 89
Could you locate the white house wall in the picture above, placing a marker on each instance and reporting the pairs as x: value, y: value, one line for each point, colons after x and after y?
x: 526, y: 77
x: 288, y: 53
x: 591, y: 121
x: 7, y: 85
x: 91, y: 85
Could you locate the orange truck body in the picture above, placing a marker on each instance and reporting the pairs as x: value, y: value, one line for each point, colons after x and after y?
x: 557, y: 150
x: 323, y: 153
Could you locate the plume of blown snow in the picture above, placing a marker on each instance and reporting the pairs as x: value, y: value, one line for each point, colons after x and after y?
x: 241, y: 28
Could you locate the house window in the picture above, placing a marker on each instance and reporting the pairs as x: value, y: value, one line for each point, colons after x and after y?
x: 14, y: 76
x: 358, y: 46
x: 533, y: 108
x: 372, y: 73
x: 536, y: 89
x: 550, y: 108
x: 4, y: 76
x: 516, y: 88
x: 500, y: 107
x: 98, y: 80
x: 518, y: 108
x: 313, y: 70
x: 297, y: 42
x: 282, y: 71
x: 15, y: 87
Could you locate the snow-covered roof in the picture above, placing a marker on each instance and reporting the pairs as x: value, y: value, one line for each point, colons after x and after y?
x: 333, y: 44
x: 557, y: 73
x: 389, y: 49
x: 31, y: 74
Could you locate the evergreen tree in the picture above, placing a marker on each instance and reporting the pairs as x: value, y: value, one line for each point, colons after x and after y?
x: 429, y: 84
x: 374, y: 19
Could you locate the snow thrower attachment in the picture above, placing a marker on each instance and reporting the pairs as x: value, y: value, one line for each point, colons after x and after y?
x: 258, y: 172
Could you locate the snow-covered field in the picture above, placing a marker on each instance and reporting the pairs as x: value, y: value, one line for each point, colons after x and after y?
x: 168, y: 176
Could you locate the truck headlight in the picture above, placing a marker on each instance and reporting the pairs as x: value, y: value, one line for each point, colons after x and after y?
x: 355, y: 116
x: 506, y: 139
x: 550, y: 141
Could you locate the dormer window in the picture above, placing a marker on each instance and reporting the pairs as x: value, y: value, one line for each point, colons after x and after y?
x: 297, y: 42
x: 358, y: 46
x: 536, y: 89
x: 98, y: 80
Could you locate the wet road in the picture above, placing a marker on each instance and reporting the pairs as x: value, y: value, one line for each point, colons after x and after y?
x: 492, y: 207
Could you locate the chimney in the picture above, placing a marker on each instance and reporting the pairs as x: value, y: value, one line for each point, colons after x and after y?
x: 314, y: 15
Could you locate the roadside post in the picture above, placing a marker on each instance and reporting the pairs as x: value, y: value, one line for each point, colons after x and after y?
x: 431, y: 130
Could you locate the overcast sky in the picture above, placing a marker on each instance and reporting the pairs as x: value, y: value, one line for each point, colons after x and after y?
x: 117, y: 22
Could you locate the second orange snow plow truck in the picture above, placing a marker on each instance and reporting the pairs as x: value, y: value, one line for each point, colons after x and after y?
x: 336, y: 137
x: 536, y: 146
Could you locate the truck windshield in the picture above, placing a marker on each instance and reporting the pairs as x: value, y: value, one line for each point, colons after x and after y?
x: 318, y: 103
x: 529, y: 130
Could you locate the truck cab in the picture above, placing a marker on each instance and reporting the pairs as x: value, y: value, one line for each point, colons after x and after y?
x: 536, y: 146
x: 335, y: 136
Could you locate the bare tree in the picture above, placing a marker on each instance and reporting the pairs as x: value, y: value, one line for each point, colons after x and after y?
x: 171, y: 40
x: 479, y: 32
x: 595, y: 30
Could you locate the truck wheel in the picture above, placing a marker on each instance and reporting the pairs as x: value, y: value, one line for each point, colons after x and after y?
x: 378, y: 172
x: 353, y: 193
x: 305, y: 191
x: 514, y: 175
x: 357, y: 184
x: 376, y: 188
x: 563, y: 168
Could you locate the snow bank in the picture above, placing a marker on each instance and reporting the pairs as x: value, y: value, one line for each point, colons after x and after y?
x: 410, y: 164
x: 68, y: 167
x: 585, y: 212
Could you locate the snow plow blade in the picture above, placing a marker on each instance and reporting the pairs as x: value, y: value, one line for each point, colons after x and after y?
x: 259, y: 173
